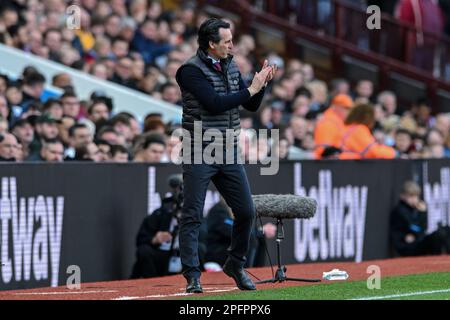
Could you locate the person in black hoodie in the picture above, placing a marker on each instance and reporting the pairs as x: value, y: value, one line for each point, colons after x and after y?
x: 409, y: 225
x: 157, y: 250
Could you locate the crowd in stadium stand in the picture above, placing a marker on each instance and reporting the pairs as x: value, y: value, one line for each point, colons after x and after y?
x: 141, y: 44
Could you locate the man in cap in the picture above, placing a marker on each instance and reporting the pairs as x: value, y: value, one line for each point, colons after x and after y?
x: 329, y: 128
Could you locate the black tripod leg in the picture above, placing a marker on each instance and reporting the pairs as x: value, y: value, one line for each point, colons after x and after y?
x: 266, y: 281
x: 303, y: 280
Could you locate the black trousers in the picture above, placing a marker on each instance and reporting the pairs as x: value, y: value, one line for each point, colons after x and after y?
x: 231, y: 181
x: 431, y: 244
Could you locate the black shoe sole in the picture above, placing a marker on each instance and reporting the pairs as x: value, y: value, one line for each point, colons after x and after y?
x: 194, y: 291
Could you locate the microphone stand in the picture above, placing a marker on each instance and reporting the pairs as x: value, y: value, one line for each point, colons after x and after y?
x: 280, y: 274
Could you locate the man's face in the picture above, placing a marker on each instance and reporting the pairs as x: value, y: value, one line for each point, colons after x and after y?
x: 99, y: 111
x: 49, y: 130
x: 4, y: 111
x: 299, y: 128
x: 341, y: 111
x: 120, y: 49
x: 81, y: 136
x: 171, y: 94
x: 25, y: 133
x: 56, y: 111
x: 390, y: 104
x: 123, y: 68
x: 94, y: 152
x: 71, y: 106
x: 64, y: 126
x: 124, y: 130
x: 154, y: 153
x: 36, y: 90
x: 365, y: 89
x: 105, y: 151
x: 53, y: 152
x: 301, y: 106
x: 111, y: 138
x: 8, y: 146
x: 224, y: 46
x: 402, y: 142
x: 120, y: 157
x: 53, y: 41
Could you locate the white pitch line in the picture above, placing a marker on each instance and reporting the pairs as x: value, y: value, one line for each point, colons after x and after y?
x: 170, y: 295
x: 417, y: 293
x: 153, y: 296
x: 62, y: 292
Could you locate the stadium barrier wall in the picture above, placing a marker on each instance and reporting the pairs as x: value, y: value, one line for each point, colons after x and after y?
x: 54, y: 216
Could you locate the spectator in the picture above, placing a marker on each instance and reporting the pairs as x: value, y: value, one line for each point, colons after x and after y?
x: 105, y: 149
x: 52, y: 40
x: 79, y: 136
x: 24, y: 132
x: 403, y: 143
x: 8, y: 146
x: 157, y: 252
x: 98, y: 110
x: 119, y: 154
x: 146, y: 42
x: 330, y: 127
x: 71, y: 105
x: 45, y: 128
x: 110, y: 135
x: 409, y: 225
x: 88, y: 152
x: 64, y: 127
x: 120, y: 48
x: 388, y: 101
x: 54, y: 108
x: 363, y: 91
x: 171, y: 93
x: 339, y: 86
x: 33, y: 86
x: 123, y: 73
x: 52, y: 151
x: 121, y: 124
x: 357, y: 141
x: 151, y: 149
x: 63, y: 81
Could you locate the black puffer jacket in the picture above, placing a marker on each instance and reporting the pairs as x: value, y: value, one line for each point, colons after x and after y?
x: 224, y: 83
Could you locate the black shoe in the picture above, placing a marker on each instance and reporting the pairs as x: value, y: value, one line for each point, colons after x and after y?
x: 239, y: 275
x: 194, y: 286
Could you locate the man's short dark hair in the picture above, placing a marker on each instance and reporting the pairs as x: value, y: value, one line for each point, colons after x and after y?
x: 167, y: 85
x: 117, y: 148
x: 105, y: 129
x: 152, y: 138
x: 68, y: 94
x: 34, y: 78
x: 120, y: 118
x: 75, y: 127
x: 50, y: 102
x: 51, y: 141
x: 403, y: 131
x: 209, y: 31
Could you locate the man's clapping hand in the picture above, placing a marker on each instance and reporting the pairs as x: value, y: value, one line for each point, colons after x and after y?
x: 262, y: 78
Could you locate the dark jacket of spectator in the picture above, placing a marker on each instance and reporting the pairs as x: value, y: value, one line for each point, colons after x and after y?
x: 148, y: 48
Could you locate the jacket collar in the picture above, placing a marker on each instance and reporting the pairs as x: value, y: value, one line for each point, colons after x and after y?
x: 204, y: 57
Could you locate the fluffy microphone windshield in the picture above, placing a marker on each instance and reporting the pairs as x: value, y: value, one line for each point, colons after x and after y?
x: 284, y: 206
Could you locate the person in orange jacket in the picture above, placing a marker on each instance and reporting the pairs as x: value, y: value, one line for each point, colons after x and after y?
x: 328, y: 131
x: 357, y: 140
